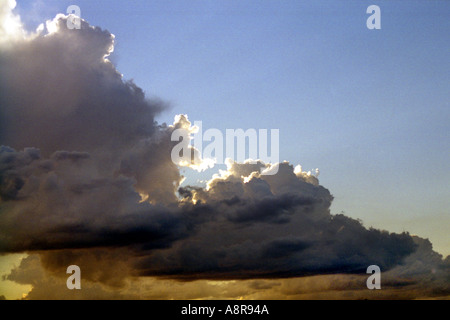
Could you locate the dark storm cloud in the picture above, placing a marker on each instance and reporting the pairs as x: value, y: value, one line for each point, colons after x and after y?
x: 60, y: 204
x: 56, y: 203
x: 301, y: 238
x: 85, y: 171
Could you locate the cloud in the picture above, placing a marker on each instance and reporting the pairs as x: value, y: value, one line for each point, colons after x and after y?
x: 183, y: 133
x: 59, y: 93
x: 86, y: 178
x: 50, y: 283
x: 11, y: 27
x: 236, y: 229
x: 282, y: 231
x: 64, y: 202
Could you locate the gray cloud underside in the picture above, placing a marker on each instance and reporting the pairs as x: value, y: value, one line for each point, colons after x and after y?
x: 252, y: 231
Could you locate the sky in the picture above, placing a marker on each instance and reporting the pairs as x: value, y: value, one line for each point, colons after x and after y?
x: 369, y: 108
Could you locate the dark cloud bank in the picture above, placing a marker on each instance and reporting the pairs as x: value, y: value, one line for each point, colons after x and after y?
x: 81, y: 148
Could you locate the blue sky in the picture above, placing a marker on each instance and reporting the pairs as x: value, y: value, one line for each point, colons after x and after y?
x: 369, y: 108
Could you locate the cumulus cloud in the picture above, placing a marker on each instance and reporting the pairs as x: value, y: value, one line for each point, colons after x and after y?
x: 272, y: 226
x: 86, y: 178
x: 183, y: 132
x: 59, y: 93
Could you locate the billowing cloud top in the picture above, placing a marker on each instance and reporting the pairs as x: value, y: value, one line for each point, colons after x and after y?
x: 85, y: 171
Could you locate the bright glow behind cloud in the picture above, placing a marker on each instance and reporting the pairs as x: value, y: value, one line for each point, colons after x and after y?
x: 10, y: 25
